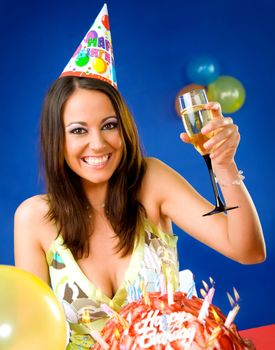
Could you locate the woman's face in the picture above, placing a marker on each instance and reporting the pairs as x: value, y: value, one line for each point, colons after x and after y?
x: 93, y: 144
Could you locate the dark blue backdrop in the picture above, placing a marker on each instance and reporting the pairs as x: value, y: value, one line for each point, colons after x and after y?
x: 153, y: 42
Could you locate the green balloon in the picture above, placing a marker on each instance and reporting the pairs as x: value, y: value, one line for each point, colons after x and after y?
x: 82, y: 59
x: 229, y: 92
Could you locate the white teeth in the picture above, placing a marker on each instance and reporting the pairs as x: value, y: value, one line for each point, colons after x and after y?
x: 96, y: 160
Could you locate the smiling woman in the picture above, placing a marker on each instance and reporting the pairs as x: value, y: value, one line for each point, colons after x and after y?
x: 105, y: 221
x: 97, y: 140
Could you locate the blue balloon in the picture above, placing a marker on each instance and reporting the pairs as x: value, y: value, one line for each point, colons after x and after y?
x: 203, y: 70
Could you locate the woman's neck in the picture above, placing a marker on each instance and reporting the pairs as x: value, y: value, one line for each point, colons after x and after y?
x: 96, y: 194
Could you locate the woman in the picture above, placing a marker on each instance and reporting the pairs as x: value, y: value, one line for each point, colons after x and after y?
x: 105, y: 223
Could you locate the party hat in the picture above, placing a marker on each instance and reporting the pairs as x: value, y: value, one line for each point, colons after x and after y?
x: 94, y: 57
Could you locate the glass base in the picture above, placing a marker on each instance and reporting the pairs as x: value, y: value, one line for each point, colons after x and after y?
x: 221, y: 209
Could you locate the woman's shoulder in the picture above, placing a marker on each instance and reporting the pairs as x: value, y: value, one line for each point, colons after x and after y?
x: 154, y: 166
x: 159, y: 172
x: 153, y: 162
x: 31, y: 222
x: 33, y: 208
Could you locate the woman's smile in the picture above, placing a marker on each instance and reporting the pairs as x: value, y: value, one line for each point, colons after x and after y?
x: 96, y: 161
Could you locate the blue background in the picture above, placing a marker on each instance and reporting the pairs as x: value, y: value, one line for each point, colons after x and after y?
x: 153, y: 42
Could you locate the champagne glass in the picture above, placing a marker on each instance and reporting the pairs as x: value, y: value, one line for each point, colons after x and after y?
x: 194, y: 117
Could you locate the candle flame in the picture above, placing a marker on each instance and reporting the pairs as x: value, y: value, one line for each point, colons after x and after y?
x: 216, y: 316
x: 125, y: 324
x: 144, y: 292
x: 86, y: 317
x: 236, y: 295
x: 205, y: 285
x: 231, y: 300
x: 117, y: 334
x: 203, y: 293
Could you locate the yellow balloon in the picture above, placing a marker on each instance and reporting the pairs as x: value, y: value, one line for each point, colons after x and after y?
x: 31, y: 317
x: 99, y: 65
x: 228, y: 91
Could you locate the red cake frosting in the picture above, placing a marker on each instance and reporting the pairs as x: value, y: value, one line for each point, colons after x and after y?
x: 156, y: 323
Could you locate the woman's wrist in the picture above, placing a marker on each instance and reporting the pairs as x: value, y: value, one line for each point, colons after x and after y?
x: 229, y: 175
x: 237, y: 181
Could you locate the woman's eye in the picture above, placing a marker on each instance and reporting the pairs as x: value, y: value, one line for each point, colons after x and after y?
x: 78, y: 131
x: 109, y: 126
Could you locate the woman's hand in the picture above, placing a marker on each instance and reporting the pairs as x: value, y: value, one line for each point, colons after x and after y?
x: 223, y: 144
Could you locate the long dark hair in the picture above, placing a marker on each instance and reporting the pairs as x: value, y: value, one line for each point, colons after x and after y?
x: 68, y: 204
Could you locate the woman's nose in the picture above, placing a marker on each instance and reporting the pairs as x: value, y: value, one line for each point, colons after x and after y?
x: 97, y: 141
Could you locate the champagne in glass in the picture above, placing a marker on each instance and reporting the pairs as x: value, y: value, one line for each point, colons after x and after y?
x: 195, y: 116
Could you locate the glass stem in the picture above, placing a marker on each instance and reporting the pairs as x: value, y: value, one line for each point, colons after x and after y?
x: 219, y: 202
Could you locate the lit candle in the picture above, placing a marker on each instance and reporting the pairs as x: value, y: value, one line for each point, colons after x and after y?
x: 144, y: 292
x: 204, y: 310
x: 231, y: 316
x: 234, y: 303
x: 210, y: 294
x: 208, y: 297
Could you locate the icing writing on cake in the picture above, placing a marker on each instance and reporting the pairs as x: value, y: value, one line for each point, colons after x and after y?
x: 163, y: 329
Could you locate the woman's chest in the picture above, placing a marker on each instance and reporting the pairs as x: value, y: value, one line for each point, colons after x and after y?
x: 105, y: 267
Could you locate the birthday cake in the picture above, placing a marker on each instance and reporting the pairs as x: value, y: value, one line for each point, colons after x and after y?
x: 157, y: 322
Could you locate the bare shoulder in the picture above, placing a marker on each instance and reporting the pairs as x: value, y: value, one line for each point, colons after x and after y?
x: 33, y: 235
x: 33, y: 209
x: 31, y: 222
x: 159, y: 172
x: 155, y: 166
x: 153, y: 162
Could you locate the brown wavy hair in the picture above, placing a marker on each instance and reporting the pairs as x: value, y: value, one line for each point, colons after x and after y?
x: 68, y: 204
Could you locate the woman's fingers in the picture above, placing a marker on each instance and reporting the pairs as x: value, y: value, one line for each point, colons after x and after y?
x: 216, y: 123
x: 224, y: 133
x: 215, y: 108
x: 225, y: 152
x: 184, y: 137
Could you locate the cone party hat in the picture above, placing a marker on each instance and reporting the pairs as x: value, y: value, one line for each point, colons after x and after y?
x: 94, y: 57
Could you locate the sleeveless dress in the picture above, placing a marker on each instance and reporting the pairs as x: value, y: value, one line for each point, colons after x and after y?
x: 154, y: 257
